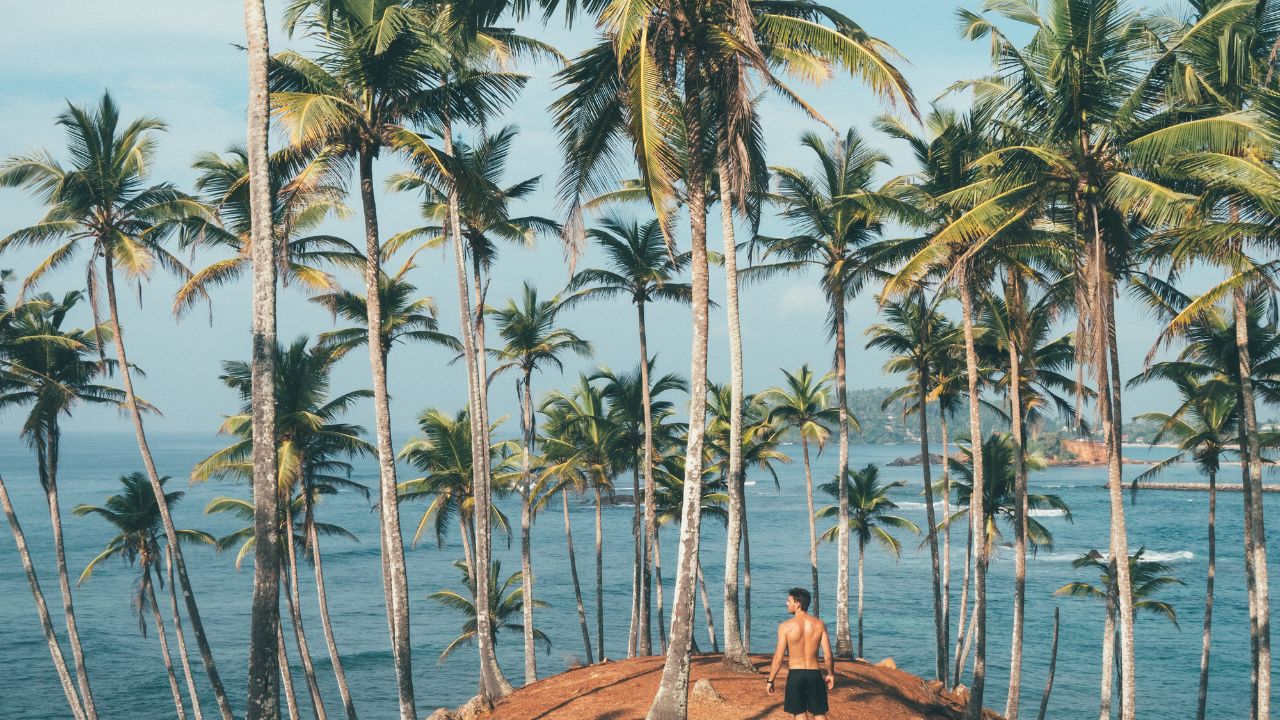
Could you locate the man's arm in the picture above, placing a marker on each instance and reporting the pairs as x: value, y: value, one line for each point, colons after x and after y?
x: 829, y: 657
x: 776, y: 665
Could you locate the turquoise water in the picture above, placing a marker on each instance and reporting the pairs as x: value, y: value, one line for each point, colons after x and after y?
x: 128, y: 679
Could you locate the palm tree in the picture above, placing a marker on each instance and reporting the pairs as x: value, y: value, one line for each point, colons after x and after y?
x: 583, y: 453
x: 803, y: 405
x: 314, y: 450
x: 919, y: 336
x: 505, y: 606
x: 638, y: 268
x: 1002, y: 500
x: 265, y: 247
x: 869, y: 508
x: 58, y: 369
x: 1149, y: 578
x: 835, y: 214
x: 1204, y: 425
x: 530, y: 339
x: 102, y: 200
x: 135, y: 516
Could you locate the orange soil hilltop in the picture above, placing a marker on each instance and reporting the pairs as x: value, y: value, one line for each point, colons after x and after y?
x: 622, y: 690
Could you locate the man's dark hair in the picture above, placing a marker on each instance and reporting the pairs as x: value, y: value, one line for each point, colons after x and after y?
x: 801, y: 596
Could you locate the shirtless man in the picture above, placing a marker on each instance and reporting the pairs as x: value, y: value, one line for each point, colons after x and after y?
x: 799, y: 639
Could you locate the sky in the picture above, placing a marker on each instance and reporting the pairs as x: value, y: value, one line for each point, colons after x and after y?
x: 179, y: 60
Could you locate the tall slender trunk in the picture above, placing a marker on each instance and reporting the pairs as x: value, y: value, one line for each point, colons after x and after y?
x: 526, y: 521
x: 286, y: 676
x: 148, y: 462
x: 293, y: 598
x: 672, y: 698
x: 196, y: 711
x: 322, y: 598
x: 1053, y: 666
x: 734, y: 655
x: 48, y: 460
x: 262, y: 695
x: 862, y: 551
x: 1014, y: 302
x: 1255, y: 510
x: 493, y: 684
x: 706, y: 608
x: 1202, y: 696
x: 962, y: 617
x: 1249, y: 577
x: 388, y: 500
x: 573, y: 574
x: 939, y: 627
x: 1108, y: 393
x: 1108, y: 648
x: 813, y: 529
x: 46, y: 625
x: 844, y: 645
x: 148, y: 591
x: 746, y: 583
x: 599, y: 576
x: 946, y: 537
x: 977, y: 511
x: 637, y: 562
x: 650, y: 516
x: 659, y: 599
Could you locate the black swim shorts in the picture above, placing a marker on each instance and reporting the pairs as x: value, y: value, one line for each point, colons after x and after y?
x: 806, y: 692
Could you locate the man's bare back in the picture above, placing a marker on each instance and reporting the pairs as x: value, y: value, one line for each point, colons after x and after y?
x: 799, y: 640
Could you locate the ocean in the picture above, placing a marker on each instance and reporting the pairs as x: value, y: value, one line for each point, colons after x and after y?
x: 128, y: 678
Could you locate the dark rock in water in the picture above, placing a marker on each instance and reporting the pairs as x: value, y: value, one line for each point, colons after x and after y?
x: 934, y: 459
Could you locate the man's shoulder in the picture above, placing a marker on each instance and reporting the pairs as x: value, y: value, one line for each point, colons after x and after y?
x: 817, y: 622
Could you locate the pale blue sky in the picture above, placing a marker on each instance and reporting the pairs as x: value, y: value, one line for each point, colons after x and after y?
x: 175, y: 59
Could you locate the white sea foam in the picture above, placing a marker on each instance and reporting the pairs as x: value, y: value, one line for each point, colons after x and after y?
x: 1047, y: 512
x: 1174, y: 556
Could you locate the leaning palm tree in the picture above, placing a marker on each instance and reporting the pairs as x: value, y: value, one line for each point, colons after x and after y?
x: 835, y: 214
x: 1149, y: 578
x: 640, y: 269
x: 505, y: 606
x: 134, y: 515
x: 57, y: 369
x: 530, y: 339
x: 869, y: 518
x: 919, y: 337
x: 314, y: 450
x: 101, y: 204
x: 804, y: 406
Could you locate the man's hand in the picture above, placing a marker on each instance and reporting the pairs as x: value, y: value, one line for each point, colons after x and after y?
x: 768, y: 686
x: 831, y: 681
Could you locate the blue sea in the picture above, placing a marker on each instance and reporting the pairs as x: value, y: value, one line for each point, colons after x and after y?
x: 129, y: 682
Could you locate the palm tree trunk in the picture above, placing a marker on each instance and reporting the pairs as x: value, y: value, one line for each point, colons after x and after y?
x: 650, y: 516
x: 262, y: 696
x: 293, y: 597
x: 48, y: 460
x: 813, y: 529
x: 977, y: 511
x: 1249, y: 577
x: 939, y: 634
x: 746, y: 585
x: 637, y: 561
x: 844, y: 645
x: 468, y: 554
x: 672, y: 698
x: 286, y: 676
x: 861, y: 555
x: 573, y: 574
x: 149, y: 593
x: 322, y: 598
x: 599, y: 576
x: 388, y: 500
x: 660, y: 600
x: 734, y: 655
x: 962, y: 617
x: 946, y: 537
x: 183, y: 657
x: 1255, y: 510
x: 526, y: 521
x: 46, y: 625
x: 706, y: 609
x: 1053, y: 666
x: 148, y: 462
x: 1014, y: 302
x: 1202, y: 697
x: 1108, y: 648
x: 493, y: 684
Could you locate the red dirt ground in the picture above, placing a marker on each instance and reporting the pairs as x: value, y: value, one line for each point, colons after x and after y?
x: 622, y: 690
